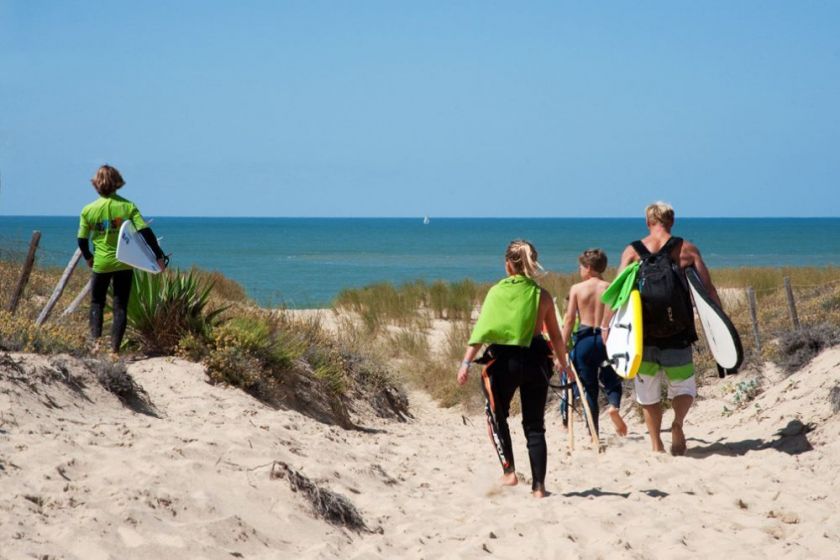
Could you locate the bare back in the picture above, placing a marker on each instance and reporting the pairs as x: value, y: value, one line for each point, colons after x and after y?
x: 585, y: 303
x: 587, y: 300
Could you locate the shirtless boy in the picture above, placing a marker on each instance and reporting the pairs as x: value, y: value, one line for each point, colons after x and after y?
x: 590, y: 352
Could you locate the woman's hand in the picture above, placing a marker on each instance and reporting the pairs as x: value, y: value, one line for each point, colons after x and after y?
x: 162, y: 264
x: 463, y: 373
x: 89, y: 262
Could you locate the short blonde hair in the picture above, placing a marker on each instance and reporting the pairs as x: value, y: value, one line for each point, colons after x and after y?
x: 522, y: 257
x: 660, y: 213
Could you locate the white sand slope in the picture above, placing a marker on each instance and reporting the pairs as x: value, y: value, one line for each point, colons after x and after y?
x: 84, y: 477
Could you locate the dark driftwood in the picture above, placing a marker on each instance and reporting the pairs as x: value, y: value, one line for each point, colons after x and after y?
x: 335, y: 508
x: 25, y: 273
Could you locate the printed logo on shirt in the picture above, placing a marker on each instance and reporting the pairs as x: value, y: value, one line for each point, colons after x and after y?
x: 106, y: 226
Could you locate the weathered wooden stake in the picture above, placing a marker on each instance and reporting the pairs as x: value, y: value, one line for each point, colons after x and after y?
x: 78, y: 300
x: 794, y: 317
x: 26, y: 272
x: 754, y: 317
x: 59, y: 288
x: 588, y: 412
x: 570, y: 417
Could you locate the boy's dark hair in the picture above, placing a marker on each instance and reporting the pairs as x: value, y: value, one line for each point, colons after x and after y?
x: 595, y: 259
x: 107, y: 180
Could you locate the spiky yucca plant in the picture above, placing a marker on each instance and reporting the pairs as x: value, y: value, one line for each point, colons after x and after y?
x: 166, y: 307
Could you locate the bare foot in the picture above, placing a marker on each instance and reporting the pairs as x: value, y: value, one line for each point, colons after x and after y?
x: 677, y: 440
x: 509, y: 479
x: 539, y: 491
x: 658, y: 446
x: 620, y: 426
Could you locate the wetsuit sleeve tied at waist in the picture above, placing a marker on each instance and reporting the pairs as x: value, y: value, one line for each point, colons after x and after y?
x: 619, y: 291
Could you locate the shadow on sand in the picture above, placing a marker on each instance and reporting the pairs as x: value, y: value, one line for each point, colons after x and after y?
x: 792, y: 439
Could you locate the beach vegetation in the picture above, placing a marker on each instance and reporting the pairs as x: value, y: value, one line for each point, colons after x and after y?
x: 222, y: 288
x: 164, y: 308
x: 798, y: 347
x: 19, y: 334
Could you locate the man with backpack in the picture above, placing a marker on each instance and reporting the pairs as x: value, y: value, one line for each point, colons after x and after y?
x: 668, y: 320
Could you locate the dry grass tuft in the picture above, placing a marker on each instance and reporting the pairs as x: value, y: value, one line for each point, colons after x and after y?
x: 326, y: 504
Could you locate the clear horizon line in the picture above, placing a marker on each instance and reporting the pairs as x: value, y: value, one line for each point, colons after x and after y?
x: 420, y: 217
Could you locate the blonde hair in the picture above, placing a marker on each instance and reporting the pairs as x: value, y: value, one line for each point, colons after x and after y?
x: 522, y: 257
x: 107, y: 180
x: 660, y: 213
x: 595, y: 259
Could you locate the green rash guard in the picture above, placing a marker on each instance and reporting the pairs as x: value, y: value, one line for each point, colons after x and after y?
x: 509, y: 313
x: 101, y: 220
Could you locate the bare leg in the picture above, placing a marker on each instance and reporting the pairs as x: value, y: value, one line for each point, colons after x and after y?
x: 618, y: 421
x: 681, y: 404
x: 653, y: 420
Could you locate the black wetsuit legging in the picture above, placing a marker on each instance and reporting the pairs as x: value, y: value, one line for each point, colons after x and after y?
x: 509, y: 368
x: 122, y: 291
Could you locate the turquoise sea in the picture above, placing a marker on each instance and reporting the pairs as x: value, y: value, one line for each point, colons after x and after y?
x: 304, y: 262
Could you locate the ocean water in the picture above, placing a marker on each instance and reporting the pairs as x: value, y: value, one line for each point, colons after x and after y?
x: 305, y: 262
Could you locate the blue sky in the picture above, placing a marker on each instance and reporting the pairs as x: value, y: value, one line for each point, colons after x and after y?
x: 408, y: 108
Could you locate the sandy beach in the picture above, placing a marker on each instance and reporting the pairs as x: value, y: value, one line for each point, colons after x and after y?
x: 200, y: 475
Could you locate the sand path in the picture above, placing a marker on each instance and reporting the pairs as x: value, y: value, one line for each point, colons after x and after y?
x: 83, y: 477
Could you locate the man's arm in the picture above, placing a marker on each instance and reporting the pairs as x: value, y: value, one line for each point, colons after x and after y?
x: 628, y: 257
x: 571, y: 313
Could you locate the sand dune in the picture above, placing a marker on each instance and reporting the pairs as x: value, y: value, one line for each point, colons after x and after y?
x: 83, y: 476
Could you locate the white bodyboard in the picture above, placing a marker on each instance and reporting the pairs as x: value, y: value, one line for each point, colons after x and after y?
x: 133, y: 250
x: 721, y: 336
x: 624, y: 343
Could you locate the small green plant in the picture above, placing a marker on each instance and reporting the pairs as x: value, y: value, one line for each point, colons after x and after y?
x: 164, y: 308
x: 745, y: 391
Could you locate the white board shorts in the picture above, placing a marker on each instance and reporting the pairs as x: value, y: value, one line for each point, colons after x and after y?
x: 670, y: 366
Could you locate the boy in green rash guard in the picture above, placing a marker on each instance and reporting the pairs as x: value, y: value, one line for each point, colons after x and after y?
x: 512, y: 317
x: 101, y: 221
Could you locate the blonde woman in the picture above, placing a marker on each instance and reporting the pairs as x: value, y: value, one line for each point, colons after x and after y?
x: 514, y: 313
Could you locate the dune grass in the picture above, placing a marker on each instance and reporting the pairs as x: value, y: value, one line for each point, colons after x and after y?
x: 816, y: 290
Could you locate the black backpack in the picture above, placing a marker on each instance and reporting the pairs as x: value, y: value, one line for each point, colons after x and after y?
x: 666, y: 304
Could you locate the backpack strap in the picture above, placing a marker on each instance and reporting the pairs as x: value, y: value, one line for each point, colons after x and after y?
x: 640, y: 249
x: 672, y: 244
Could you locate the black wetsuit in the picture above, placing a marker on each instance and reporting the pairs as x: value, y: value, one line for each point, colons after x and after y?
x: 529, y: 369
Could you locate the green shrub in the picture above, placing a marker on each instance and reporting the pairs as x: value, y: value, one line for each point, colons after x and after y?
x: 164, y: 308
x: 193, y: 347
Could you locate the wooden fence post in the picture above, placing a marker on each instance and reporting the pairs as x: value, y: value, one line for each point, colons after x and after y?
x: 25, y: 273
x: 570, y: 419
x: 754, y: 317
x: 78, y: 300
x: 59, y: 288
x: 794, y: 317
